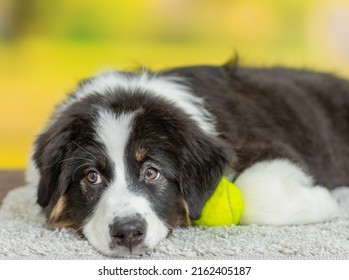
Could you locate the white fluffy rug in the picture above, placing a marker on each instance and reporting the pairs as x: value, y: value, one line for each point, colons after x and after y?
x: 23, y: 235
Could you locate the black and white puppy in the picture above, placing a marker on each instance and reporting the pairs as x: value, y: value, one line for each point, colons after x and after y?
x: 129, y: 156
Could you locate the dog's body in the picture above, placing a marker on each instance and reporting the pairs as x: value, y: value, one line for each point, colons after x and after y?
x: 129, y: 156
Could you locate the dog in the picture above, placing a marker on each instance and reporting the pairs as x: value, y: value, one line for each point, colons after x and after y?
x: 128, y: 156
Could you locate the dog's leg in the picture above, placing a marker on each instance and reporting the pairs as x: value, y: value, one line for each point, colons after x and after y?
x: 278, y: 192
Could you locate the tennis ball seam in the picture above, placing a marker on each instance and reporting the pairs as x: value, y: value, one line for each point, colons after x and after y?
x: 229, y: 203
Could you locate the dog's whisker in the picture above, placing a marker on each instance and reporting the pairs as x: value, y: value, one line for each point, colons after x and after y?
x: 167, y: 225
x: 77, y: 158
x: 67, y: 159
x: 84, y: 150
x: 78, y: 230
x: 73, y: 175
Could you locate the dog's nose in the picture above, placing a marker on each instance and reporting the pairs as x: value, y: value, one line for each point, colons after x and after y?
x: 128, y: 233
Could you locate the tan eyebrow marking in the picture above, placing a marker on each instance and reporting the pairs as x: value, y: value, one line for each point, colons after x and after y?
x: 140, y: 154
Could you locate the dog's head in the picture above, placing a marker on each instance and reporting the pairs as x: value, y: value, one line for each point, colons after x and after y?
x: 124, y: 165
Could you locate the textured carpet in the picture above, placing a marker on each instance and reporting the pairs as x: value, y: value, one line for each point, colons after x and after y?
x: 23, y: 235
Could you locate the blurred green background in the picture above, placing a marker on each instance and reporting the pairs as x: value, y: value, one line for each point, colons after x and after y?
x: 46, y: 46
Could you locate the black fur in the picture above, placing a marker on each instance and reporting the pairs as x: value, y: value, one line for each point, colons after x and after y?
x: 279, y: 113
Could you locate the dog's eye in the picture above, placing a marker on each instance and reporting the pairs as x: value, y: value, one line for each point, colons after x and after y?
x: 93, y: 177
x: 151, y: 174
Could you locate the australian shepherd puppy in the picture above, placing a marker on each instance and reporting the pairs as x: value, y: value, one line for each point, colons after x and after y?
x: 129, y: 156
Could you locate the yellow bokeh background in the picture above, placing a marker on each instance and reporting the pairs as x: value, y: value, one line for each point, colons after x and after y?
x: 47, y: 46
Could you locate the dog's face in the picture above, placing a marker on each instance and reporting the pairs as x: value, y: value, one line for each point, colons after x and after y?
x: 124, y: 169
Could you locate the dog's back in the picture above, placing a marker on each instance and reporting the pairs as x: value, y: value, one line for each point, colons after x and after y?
x: 279, y: 113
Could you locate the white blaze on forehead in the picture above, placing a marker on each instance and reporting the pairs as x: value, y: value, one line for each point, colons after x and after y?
x: 170, y: 88
x: 118, y: 200
x: 113, y: 131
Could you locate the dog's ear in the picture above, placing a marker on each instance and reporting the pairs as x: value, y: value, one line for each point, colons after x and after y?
x: 50, y: 150
x: 204, y: 161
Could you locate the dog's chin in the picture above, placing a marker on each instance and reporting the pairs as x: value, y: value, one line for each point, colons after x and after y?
x: 113, y: 250
x: 119, y: 251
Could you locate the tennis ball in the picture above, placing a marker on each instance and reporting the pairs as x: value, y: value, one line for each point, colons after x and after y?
x: 224, y: 207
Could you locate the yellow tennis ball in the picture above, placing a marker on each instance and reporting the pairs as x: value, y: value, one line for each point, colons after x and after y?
x: 224, y: 207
